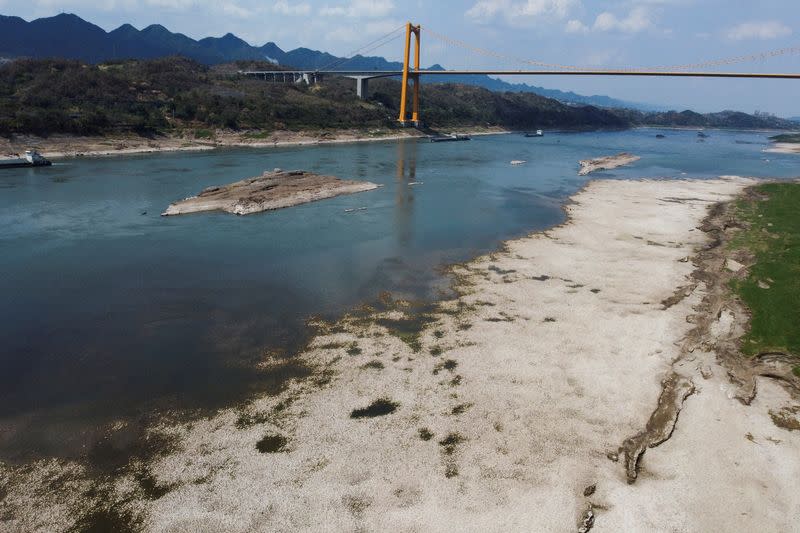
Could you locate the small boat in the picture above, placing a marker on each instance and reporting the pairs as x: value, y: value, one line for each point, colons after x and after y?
x: 537, y: 133
x: 702, y: 135
x: 32, y: 158
x: 449, y: 138
x: 660, y: 136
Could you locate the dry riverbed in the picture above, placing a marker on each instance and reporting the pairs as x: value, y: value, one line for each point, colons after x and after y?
x: 573, y: 383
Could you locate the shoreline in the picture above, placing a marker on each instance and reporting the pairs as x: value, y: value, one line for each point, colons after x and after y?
x: 501, y: 408
x: 68, y: 147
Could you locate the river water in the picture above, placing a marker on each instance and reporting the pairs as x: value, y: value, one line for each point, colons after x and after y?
x: 109, y: 311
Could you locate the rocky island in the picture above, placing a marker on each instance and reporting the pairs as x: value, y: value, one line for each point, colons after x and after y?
x: 606, y: 163
x: 271, y: 190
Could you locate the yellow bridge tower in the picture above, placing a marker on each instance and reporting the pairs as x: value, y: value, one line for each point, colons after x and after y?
x: 410, y: 29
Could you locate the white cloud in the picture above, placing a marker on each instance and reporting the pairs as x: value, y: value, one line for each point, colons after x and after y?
x: 172, y: 4
x: 360, y: 9
x: 576, y: 26
x: 517, y: 13
x: 357, y: 34
x: 637, y: 20
x: 283, y: 7
x: 764, y: 30
x: 487, y: 8
x: 235, y: 10
x: 555, y: 8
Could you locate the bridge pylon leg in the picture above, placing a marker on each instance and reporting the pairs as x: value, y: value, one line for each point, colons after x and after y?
x: 415, y: 115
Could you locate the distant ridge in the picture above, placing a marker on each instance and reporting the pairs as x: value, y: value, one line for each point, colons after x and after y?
x: 69, y: 36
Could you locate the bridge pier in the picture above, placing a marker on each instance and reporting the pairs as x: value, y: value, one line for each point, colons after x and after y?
x: 362, y: 85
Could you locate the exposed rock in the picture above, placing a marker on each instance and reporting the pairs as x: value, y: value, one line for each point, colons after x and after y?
x: 587, y: 521
x: 733, y: 265
x: 271, y: 190
x: 675, y: 389
x: 606, y: 163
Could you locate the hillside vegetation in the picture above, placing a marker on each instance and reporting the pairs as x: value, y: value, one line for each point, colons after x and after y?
x: 786, y: 138
x: 173, y: 95
x: 69, y: 36
x: 155, y: 96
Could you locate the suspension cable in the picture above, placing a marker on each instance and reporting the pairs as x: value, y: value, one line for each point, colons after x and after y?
x: 691, y: 66
x: 381, y: 41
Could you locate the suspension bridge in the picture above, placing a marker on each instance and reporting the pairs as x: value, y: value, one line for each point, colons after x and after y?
x: 411, y: 75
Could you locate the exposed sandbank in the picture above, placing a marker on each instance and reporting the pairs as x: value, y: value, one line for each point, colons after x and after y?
x: 606, y: 163
x: 500, y: 416
x: 270, y: 191
x: 784, y: 148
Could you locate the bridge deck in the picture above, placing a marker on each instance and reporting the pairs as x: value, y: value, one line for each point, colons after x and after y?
x: 656, y: 73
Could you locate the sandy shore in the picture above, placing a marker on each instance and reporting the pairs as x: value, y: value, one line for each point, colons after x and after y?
x: 784, y: 148
x: 63, y: 146
x: 511, y: 411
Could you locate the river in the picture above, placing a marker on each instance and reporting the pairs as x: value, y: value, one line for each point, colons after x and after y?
x: 111, y: 312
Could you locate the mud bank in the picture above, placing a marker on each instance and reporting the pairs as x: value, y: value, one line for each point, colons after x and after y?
x: 510, y: 408
x: 272, y: 190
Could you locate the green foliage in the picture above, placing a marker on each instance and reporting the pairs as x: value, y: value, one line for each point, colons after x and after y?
x: 786, y: 138
x: 773, y: 236
x: 46, y: 97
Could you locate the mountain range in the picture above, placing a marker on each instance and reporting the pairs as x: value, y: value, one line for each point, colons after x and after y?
x: 69, y: 36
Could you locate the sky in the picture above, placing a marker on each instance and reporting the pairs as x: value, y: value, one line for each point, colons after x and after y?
x: 507, y: 33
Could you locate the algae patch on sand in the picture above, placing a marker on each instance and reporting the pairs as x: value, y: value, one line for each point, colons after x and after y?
x: 272, y: 444
x: 380, y: 407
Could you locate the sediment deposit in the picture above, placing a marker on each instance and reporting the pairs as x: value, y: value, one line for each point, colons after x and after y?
x: 784, y: 148
x: 271, y: 190
x: 606, y: 163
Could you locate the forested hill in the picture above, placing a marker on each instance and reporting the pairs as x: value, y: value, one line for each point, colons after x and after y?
x: 69, y: 36
x: 176, y: 94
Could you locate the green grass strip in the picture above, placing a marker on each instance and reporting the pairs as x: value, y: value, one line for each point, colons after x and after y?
x: 774, y: 239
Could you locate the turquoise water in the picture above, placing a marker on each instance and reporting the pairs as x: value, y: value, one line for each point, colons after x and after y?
x: 110, y: 310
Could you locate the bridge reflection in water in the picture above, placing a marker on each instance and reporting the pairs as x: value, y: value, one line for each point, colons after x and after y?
x: 405, y: 178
